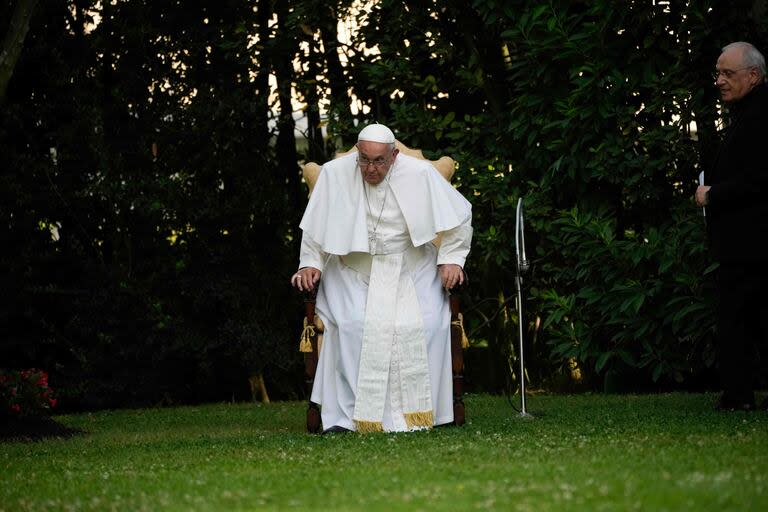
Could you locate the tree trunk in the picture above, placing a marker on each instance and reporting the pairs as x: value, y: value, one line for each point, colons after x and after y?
x: 14, y: 42
x: 316, y: 151
x: 108, y: 156
x: 263, y: 15
x: 258, y: 388
x: 341, y: 113
x: 487, y: 48
x: 287, y: 156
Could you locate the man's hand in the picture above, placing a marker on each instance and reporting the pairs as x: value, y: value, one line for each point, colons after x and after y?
x: 451, y: 275
x: 305, y: 279
x: 701, y: 195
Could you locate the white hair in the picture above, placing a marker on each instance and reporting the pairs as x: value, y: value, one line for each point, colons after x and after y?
x: 751, y: 57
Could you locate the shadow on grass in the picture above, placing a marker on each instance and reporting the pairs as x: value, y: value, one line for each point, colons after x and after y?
x: 34, y: 428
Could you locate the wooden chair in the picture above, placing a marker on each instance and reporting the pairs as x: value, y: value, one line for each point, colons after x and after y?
x: 312, y: 333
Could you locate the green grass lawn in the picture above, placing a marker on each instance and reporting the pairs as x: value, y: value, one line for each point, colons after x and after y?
x: 581, y: 452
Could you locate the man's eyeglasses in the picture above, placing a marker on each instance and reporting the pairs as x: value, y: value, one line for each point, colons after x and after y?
x: 728, y: 73
x: 378, y: 163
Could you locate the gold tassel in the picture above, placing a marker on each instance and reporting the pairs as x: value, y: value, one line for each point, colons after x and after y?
x: 305, y: 343
x: 319, y: 329
x: 464, y: 339
x: 419, y: 419
x: 367, y: 427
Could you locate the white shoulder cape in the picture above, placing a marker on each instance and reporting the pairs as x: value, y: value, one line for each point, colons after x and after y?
x: 335, y: 217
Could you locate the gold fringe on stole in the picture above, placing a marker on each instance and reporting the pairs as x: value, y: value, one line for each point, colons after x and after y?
x: 460, y: 323
x: 305, y: 343
x: 366, y: 427
x: 419, y: 419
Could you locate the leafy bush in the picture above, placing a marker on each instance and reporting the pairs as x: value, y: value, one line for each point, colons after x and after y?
x: 25, y: 393
x: 598, y: 117
x: 640, y: 300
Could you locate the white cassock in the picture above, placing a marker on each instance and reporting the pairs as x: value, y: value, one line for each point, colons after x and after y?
x: 385, y: 361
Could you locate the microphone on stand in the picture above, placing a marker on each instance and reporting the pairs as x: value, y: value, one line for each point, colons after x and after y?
x: 522, y: 262
x: 703, y: 208
x: 522, y: 267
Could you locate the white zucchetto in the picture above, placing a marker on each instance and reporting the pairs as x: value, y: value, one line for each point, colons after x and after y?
x: 376, y: 133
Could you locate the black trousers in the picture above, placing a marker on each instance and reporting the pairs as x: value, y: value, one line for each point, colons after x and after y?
x: 742, y: 325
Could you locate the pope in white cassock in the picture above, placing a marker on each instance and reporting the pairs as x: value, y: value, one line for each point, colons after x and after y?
x: 385, y: 362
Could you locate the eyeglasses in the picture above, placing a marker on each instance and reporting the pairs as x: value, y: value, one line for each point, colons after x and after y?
x: 728, y: 73
x: 378, y: 163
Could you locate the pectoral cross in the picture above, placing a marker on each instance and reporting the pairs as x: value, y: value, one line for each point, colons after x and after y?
x: 373, y: 241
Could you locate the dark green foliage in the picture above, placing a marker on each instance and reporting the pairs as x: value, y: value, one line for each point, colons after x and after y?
x: 140, y: 145
x: 585, y: 110
x: 636, y: 302
x: 150, y: 193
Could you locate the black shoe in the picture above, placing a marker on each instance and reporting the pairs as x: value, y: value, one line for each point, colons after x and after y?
x: 336, y: 430
x: 726, y: 404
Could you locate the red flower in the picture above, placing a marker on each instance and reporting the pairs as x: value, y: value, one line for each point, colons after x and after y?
x: 26, y: 392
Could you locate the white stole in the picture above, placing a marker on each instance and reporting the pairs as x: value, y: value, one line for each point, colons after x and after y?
x: 392, y: 316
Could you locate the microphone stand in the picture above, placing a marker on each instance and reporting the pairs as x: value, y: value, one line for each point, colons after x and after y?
x: 522, y: 267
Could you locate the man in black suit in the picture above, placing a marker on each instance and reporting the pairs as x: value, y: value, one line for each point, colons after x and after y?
x: 736, y: 200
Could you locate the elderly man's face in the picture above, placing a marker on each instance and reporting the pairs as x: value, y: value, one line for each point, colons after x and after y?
x: 374, y: 159
x: 733, y: 78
